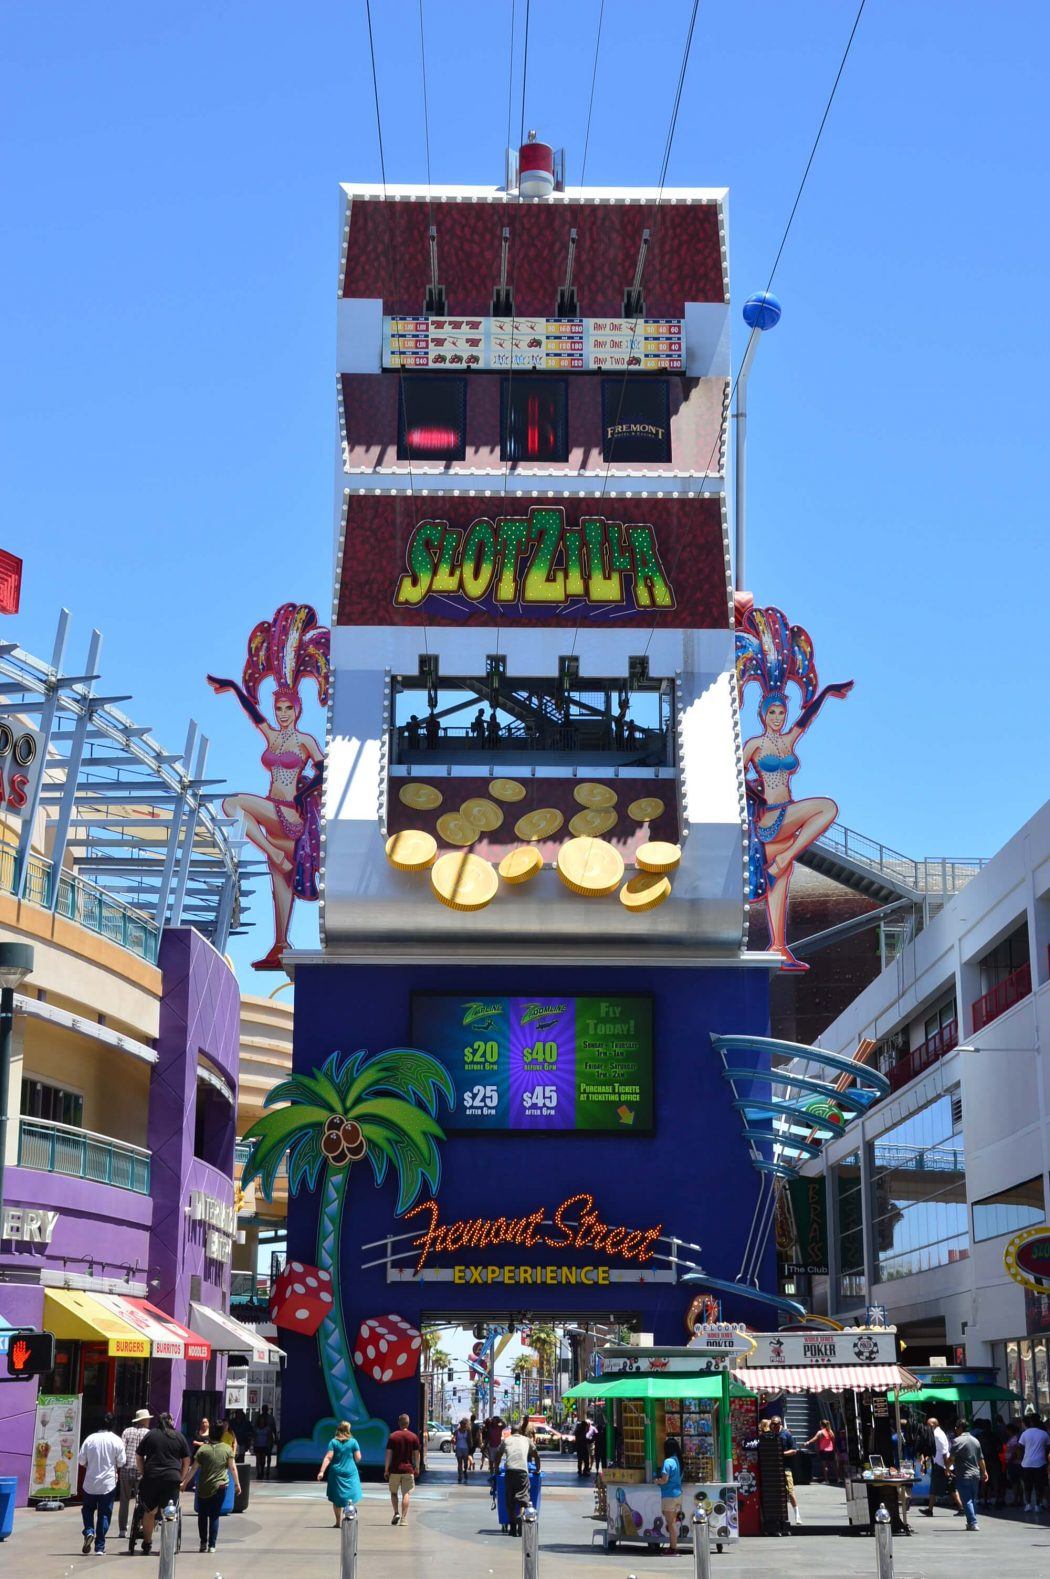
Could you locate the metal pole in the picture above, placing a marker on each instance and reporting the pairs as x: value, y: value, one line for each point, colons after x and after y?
x: 701, y: 1545
x: 740, y: 491
x: 883, y: 1544
x: 7, y: 1020
x: 168, y: 1538
x: 348, y: 1544
x: 530, y: 1544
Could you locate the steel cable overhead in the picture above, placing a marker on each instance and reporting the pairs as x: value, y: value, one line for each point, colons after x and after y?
x: 790, y: 220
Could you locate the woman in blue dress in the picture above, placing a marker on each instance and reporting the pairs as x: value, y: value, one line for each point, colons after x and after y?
x: 340, y: 1463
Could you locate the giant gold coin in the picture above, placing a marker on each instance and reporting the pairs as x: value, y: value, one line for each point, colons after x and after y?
x: 482, y: 813
x: 464, y: 882
x: 539, y: 824
x: 645, y: 891
x: 658, y: 856
x: 507, y: 789
x: 645, y: 810
x: 421, y: 797
x: 521, y: 864
x: 411, y: 850
x: 590, y: 866
x: 594, y: 795
x: 593, y: 823
x: 454, y: 828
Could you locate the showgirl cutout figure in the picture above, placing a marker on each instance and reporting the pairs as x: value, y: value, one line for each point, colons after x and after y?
x: 285, y: 824
x: 776, y: 655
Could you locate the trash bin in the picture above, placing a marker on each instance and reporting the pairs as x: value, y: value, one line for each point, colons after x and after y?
x: 8, y: 1493
x: 244, y: 1475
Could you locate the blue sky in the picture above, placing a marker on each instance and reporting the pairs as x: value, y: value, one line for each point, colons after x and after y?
x: 167, y: 288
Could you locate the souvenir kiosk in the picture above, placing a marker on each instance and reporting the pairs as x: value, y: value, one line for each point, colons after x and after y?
x: 689, y: 1393
x: 859, y: 1366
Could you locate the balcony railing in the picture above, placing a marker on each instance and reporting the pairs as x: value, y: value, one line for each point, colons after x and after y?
x: 928, y: 1052
x: 58, y: 1148
x: 82, y: 902
x: 1002, y: 996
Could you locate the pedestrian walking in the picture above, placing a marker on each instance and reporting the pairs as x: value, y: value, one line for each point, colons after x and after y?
x: 463, y: 1443
x: 599, y: 1439
x: 669, y: 1481
x: 582, y: 1437
x: 940, y: 1469
x: 102, y: 1455
x: 163, y: 1460
x: 517, y: 1451
x: 823, y: 1442
x: 1033, y: 1444
x: 340, y: 1466
x: 971, y: 1472
x: 128, y: 1476
x: 401, y: 1467
x: 213, y: 1463
x: 477, y: 1441
x: 787, y: 1444
x: 265, y: 1441
x: 494, y: 1429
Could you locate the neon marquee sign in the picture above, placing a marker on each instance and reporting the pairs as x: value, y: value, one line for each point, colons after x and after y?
x: 536, y: 560
x: 534, y: 1230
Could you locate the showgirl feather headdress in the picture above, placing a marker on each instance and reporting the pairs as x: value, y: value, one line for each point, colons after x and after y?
x: 776, y: 654
x: 289, y: 648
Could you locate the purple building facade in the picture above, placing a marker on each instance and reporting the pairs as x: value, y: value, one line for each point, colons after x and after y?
x: 163, y: 1245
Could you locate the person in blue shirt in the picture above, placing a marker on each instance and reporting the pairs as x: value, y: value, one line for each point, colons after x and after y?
x: 670, y: 1482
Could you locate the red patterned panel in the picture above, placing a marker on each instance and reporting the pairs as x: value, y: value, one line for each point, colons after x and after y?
x: 10, y: 582
x: 370, y: 420
x: 390, y: 576
x: 388, y: 254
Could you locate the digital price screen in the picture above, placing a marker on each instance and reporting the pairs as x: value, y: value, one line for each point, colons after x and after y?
x: 583, y: 1064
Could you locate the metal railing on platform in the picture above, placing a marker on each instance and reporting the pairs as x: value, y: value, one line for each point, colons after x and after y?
x: 81, y: 1154
x: 83, y: 902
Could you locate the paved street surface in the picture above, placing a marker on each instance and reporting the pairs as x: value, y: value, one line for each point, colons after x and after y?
x: 452, y: 1534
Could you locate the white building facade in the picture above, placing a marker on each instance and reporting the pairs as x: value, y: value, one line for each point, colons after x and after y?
x: 926, y: 1190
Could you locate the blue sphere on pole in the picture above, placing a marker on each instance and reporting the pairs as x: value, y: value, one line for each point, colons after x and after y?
x: 762, y: 311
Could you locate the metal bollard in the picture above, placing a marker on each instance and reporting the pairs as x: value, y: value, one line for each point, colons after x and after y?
x: 530, y: 1543
x: 348, y: 1544
x: 169, y: 1531
x: 883, y: 1543
x: 701, y: 1545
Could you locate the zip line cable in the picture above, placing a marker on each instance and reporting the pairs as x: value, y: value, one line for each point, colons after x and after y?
x: 790, y: 221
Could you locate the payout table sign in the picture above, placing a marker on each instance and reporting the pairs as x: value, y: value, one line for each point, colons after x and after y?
x: 581, y: 1064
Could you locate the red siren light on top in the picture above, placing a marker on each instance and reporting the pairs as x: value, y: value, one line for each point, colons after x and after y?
x: 535, y: 168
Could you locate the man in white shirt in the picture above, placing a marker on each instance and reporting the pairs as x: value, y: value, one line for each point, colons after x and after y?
x: 940, y: 1469
x: 1033, y: 1443
x: 101, y: 1454
x: 518, y: 1451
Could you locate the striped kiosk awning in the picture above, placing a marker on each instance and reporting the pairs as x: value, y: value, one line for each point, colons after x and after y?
x: 823, y: 1378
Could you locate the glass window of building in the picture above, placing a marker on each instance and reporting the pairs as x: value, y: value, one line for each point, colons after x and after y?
x: 636, y: 420
x: 41, y: 1099
x: 431, y: 418
x: 919, y: 1210
x: 1008, y: 1211
x: 850, y: 1219
x: 534, y: 425
x: 940, y: 1018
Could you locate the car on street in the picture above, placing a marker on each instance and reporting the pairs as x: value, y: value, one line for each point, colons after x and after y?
x: 439, y: 1437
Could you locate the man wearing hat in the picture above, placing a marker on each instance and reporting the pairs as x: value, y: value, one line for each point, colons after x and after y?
x: 129, y: 1475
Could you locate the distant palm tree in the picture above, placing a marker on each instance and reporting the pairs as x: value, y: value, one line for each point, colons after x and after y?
x: 352, y: 1108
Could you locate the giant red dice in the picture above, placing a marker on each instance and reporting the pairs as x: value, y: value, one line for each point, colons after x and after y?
x: 301, y: 1298
x: 387, y: 1348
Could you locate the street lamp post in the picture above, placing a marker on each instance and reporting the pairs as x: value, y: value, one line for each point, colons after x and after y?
x: 16, y: 962
x: 761, y: 312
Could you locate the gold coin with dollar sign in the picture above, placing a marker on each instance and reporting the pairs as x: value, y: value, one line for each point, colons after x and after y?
x: 454, y: 828
x: 594, y: 795
x: 519, y: 865
x: 421, y: 797
x: 594, y: 823
x: 539, y: 824
x: 482, y: 813
x: 647, y: 809
x: 507, y: 789
x: 645, y: 891
x: 411, y: 850
x: 464, y: 882
x: 590, y: 867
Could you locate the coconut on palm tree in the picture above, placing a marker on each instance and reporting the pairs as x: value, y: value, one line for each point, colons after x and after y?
x: 352, y: 1109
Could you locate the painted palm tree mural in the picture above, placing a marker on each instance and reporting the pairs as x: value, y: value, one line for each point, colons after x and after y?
x: 352, y: 1109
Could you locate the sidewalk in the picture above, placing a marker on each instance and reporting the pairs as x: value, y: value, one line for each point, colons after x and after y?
x: 452, y: 1534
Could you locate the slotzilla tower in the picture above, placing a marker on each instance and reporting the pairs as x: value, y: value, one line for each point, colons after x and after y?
x: 534, y: 818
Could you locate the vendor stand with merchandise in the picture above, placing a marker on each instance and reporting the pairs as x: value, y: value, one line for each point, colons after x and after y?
x: 688, y: 1393
x: 860, y: 1365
